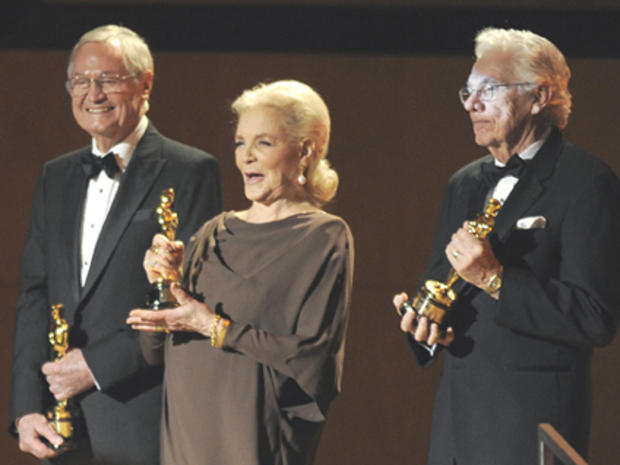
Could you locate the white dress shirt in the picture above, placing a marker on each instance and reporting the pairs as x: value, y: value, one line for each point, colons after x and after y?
x: 100, y: 195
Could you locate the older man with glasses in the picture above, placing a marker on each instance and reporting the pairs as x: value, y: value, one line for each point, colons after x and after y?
x: 541, y: 290
x: 93, y: 217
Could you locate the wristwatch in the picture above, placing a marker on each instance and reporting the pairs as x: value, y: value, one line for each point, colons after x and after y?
x: 494, y: 283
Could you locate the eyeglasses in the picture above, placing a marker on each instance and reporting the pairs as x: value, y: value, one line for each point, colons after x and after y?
x: 79, y: 85
x: 487, y: 91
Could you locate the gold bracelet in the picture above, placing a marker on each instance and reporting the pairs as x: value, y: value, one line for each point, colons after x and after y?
x: 219, y: 334
x: 216, y: 321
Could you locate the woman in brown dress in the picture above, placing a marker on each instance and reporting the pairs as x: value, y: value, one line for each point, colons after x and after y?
x: 253, y: 355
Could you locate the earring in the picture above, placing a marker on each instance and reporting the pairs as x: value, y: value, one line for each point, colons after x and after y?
x: 301, y: 179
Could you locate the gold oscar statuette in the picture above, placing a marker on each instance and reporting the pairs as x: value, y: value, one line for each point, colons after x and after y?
x: 64, y: 416
x: 159, y: 296
x: 435, y: 298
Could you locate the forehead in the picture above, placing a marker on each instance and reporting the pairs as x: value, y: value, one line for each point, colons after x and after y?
x: 261, y: 119
x: 495, y: 66
x: 98, y: 57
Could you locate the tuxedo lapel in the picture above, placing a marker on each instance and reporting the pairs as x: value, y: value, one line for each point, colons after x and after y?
x: 70, y: 225
x: 145, y: 166
x: 524, y: 194
x: 530, y: 186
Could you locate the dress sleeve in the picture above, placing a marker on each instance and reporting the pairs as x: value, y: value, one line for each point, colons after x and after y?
x: 152, y: 344
x: 312, y: 357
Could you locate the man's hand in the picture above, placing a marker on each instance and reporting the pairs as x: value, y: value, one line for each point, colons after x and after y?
x: 31, y: 428
x: 420, y: 328
x: 68, y: 376
x: 472, y: 258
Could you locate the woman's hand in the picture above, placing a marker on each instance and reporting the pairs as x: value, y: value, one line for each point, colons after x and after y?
x: 190, y: 315
x: 164, y: 259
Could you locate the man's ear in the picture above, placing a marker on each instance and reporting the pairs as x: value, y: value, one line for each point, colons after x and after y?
x: 542, y: 96
x: 146, y: 83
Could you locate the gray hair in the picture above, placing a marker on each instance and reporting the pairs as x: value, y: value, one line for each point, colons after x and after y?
x: 135, y: 52
x: 536, y: 60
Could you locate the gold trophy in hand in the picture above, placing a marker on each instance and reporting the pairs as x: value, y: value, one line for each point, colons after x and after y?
x: 159, y: 296
x: 435, y: 298
x: 63, y: 416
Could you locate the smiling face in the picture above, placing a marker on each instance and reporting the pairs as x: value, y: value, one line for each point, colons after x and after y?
x: 505, y: 123
x: 111, y: 117
x: 267, y: 156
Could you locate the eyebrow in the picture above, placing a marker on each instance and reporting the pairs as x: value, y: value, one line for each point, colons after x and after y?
x: 266, y: 134
x: 485, y: 81
x: 102, y: 73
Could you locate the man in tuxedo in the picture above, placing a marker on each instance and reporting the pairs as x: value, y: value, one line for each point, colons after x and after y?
x: 93, y: 217
x: 541, y: 290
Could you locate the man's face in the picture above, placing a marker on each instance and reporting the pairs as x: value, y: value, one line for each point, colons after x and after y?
x: 503, y: 120
x: 108, y: 116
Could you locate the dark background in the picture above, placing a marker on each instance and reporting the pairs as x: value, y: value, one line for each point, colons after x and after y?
x: 389, y: 72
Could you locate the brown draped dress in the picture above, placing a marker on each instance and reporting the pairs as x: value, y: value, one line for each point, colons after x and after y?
x: 262, y: 399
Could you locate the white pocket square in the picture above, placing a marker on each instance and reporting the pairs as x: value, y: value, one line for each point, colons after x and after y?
x: 532, y: 222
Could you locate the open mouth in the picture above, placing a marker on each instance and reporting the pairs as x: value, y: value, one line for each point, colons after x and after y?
x: 253, y: 178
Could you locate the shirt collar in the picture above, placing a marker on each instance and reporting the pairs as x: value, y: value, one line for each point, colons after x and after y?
x: 530, y: 152
x: 124, y: 150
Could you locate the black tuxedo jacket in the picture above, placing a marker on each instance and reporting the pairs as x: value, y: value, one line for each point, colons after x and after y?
x: 525, y: 359
x: 122, y: 418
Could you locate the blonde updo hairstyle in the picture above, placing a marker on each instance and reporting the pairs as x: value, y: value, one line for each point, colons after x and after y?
x: 536, y: 60
x: 305, y: 117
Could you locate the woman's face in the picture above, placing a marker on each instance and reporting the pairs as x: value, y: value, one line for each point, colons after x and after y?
x: 266, y: 155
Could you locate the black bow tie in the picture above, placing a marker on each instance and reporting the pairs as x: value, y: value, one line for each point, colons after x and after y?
x: 491, y: 173
x: 92, y: 165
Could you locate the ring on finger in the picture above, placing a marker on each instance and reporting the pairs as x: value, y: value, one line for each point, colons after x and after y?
x: 455, y: 254
x: 155, y: 249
